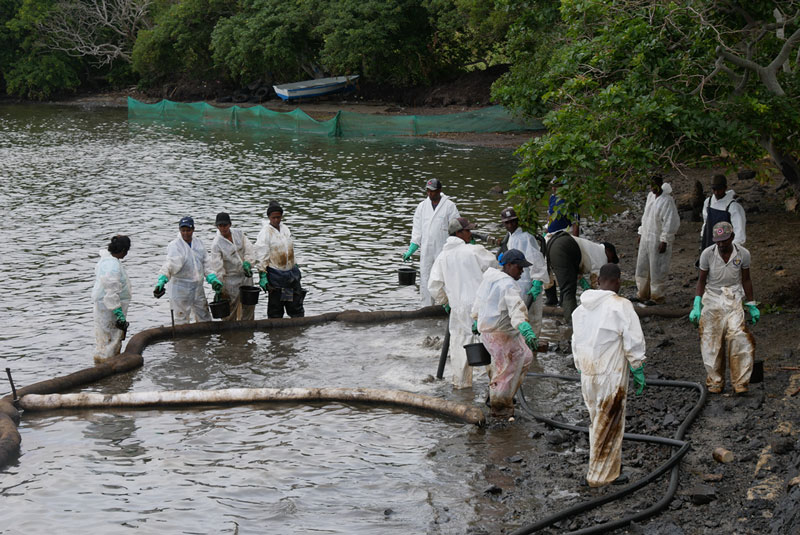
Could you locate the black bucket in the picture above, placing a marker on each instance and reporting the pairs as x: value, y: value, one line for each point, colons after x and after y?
x: 249, y: 294
x: 407, y: 276
x: 758, y: 372
x: 477, y: 354
x: 220, y: 309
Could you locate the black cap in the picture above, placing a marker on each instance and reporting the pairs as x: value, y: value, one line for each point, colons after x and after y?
x: 274, y: 207
x: 223, y: 219
x: 514, y: 256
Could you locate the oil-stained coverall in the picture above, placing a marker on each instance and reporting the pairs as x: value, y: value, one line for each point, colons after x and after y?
x: 226, y: 259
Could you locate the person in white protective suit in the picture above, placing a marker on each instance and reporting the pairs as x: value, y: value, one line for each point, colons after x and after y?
x: 607, y: 341
x: 455, y: 277
x: 111, y: 296
x: 185, y: 267
x: 533, y: 278
x: 231, y: 259
x: 501, y: 319
x: 660, y: 222
x: 724, y: 280
x: 429, y: 232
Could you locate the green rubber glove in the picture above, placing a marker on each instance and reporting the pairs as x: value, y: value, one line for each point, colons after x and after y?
x: 638, y: 378
x: 158, y: 291
x: 694, y: 315
x: 755, y: 314
x: 536, y: 289
x: 584, y: 283
x: 475, y: 327
x: 248, y: 270
x: 262, y: 280
x: 527, y: 331
x: 121, y: 322
x: 412, y: 247
x: 215, y: 283
x: 446, y: 308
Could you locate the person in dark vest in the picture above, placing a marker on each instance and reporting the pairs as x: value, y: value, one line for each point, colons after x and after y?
x: 722, y: 206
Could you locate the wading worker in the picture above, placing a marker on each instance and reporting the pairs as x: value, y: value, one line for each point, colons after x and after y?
x: 533, y: 278
x: 722, y: 206
x: 570, y: 258
x: 724, y: 280
x: 111, y: 296
x: 186, y: 266
x: 660, y: 222
x: 607, y: 341
x: 500, y: 316
x: 454, y: 281
x: 429, y: 232
x: 278, y: 273
x: 231, y: 259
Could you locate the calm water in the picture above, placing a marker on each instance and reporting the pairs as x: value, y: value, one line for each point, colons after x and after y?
x: 71, y: 178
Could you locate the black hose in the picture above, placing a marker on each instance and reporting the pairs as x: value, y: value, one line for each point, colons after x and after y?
x: 672, y: 462
x: 445, y: 347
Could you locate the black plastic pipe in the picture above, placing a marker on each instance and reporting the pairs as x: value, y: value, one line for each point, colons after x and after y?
x: 672, y: 462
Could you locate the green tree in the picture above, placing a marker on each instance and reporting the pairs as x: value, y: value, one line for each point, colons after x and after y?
x: 633, y: 86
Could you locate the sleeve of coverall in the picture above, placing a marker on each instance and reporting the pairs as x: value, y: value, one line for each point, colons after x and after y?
x: 517, y: 312
x: 173, y: 263
x: 206, y: 264
x: 416, y: 228
x: 453, y: 212
x: 485, y: 258
x: 647, y: 202
x: 436, y: 283
x: 249, y: 250
x: 215, y: 261
x: 111, y: 279
x: 705, y: 216
x: 262, y: 250
x: 632, y: 337
x: 669, y: 221
x: 739, y: 221
x: 538, y: 266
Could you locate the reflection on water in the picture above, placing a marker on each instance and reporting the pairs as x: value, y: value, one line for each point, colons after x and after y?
x: 72, y: 178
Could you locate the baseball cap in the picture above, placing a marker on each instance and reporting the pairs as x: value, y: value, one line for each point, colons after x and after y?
x: 459, y: 223
x: 186, y: 221
x: 722, y: 231
x: 719, y: 182
x: 508, y: 214
x: 433, y: 184
x: 513, y: 256
x: 223, y: 218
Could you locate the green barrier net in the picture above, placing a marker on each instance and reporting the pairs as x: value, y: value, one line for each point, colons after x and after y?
x: 343, y: 124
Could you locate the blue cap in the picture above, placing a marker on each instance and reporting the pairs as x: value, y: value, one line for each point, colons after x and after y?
x: 186, y: 221
x: 513, y: 256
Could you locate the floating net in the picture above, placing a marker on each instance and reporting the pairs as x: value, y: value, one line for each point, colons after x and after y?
x: 343, y: 124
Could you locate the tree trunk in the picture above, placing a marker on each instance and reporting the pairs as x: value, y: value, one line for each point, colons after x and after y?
x: 788, y: 165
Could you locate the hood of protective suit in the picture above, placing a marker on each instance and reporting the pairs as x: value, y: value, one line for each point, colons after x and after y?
x: 591, y: 299
x: 666, y: 189
x: 453, y: 242
x: 727, y: 198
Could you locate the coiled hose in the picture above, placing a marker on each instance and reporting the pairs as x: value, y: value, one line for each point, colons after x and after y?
x: 672, y: 463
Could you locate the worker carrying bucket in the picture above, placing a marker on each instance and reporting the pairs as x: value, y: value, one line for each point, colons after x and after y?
x: 231, y: 260
x: 607, y: 341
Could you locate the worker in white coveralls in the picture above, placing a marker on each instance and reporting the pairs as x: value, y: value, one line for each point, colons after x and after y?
x: 500, y: 316
x: 186, y: 266
x: 533, y: 278
x: 660, y: 222
x: 429, y: 232
x: 607, y: 341
x: 724, y: 280
x: 111, y: 296
x: 231, y: 259
x: 455, y: 277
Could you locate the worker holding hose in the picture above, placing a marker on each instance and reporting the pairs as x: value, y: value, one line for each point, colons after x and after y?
x: 501, y: 318
x: 607, y: 341
x: 724, y: 280
x: 454, y: 281
x: 232, y: 257
x: 429, y: 232
x: 111, y: 295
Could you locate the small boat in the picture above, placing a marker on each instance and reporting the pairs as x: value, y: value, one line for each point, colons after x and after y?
x: 316, y: 88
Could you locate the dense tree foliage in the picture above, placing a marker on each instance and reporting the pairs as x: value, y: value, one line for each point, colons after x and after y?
x: 630, y: 87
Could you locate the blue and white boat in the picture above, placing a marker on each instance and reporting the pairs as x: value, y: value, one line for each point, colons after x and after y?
x: 316, y: 88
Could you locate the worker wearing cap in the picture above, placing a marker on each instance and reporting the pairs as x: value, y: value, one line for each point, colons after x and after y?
x: 533, y: 278
x: 185, y: 267
x: 278, y: 273
x: 429, y: 232
x: 607, y: 341
x: 231, y: 259
x: 660, y: 222
x: 454, y: 280
x: 722, y: 206
x: 500, y: 316
x: 724, y: 280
